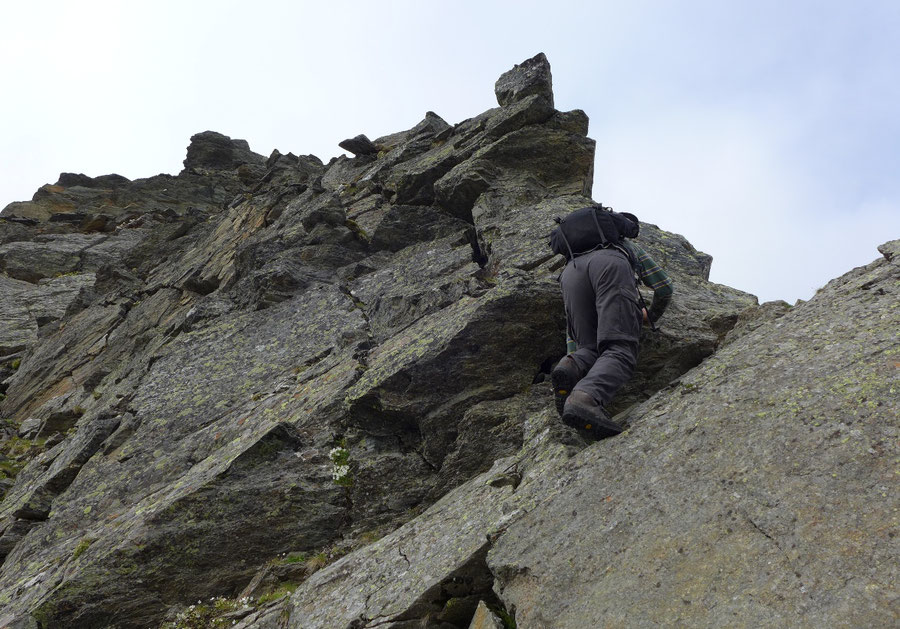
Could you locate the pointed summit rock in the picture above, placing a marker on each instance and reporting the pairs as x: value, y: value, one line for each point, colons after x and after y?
x: 525, y: 79
x: 214, y: 151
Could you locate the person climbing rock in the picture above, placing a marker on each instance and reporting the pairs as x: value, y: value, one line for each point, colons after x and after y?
x: 604, y: 314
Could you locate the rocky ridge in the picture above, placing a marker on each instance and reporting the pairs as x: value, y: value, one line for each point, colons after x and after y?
x: 216, y: 383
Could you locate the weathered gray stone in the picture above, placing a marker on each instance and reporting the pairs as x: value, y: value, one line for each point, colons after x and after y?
x: 112, y: 250
x: 55, y: 295
x: 359, y: 145
x: 754, y: 317
x: 211, y: 150
x: 19, y: 326
x: 431, y: 124
x: 405, y: 225
x: 488, y: 431
x: 575, y: 121
x: 414, y: 183
x: 268, y: 617
x: 484, y: 618
x: 413, y: 577
x: 419, y: 573
x: 457, y: 191
x: 525, y: 79
x: 12, y: 230
x: 250, y: 318
x: 12, y: 530
x: 431, y: 371
x: 69, y: 180
x: 45, y: 257
x: 750, y: 486
x: 890, y: 250
x: 29, y: 428
x: 534, y: 109
x: 415, y: 282
x: 54, y: 369
x: 574, y: 543
x: 51, y: 475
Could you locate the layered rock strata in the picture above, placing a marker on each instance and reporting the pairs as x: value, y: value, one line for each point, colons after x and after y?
x: 754, y: 490
x: 270, y: 356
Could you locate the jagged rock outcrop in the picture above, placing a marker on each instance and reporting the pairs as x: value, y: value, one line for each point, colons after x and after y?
x: 267, y: 357
x: 754, y: 490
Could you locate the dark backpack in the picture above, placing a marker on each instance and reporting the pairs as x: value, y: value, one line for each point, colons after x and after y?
x: 593, y: 227
x: 597, y: 227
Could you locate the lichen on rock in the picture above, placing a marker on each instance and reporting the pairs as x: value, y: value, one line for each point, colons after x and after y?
x: 269, y: 357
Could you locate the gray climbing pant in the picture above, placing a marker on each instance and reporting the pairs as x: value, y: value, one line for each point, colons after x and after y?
x: 604, y: 319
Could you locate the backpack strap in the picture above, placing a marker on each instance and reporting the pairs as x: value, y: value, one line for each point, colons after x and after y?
x: 562, y: 233
x: 604, y: 242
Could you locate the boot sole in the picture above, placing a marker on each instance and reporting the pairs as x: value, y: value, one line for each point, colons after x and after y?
x: 563, y: 381
x: 590, y: 425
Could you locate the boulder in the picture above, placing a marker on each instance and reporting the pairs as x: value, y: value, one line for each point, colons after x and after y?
x: 214, y: 151
x: 484, y: 618
x: 531, y: 77
x: 29, y: 428
x: 359, y: 145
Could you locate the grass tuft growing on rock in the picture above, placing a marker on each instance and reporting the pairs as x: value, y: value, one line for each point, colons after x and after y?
x: 16, y: 452
x: 508, y: 621
x: 286, y: 589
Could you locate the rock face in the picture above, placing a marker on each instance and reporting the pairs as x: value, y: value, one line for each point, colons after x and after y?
x: 754, y: 490
x: 224, y: 380
x: 759, y: 489
x: 529, y: 78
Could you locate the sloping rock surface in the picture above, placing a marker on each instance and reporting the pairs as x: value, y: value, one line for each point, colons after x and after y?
x: 755, y: 490
x: 270, y: 357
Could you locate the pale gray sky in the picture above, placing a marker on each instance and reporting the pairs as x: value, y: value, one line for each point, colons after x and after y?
x: 765, y: 132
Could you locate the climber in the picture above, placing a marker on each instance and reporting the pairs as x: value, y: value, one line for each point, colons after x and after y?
x: 604, y: 313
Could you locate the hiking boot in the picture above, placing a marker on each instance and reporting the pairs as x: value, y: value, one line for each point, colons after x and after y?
x: 588, y: 417
x: 564, y: 376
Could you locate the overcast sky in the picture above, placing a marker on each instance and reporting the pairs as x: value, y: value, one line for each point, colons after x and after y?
x: 766, y: 132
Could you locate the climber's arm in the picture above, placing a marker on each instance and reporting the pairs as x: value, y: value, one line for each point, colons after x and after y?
x: 654, y: 277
